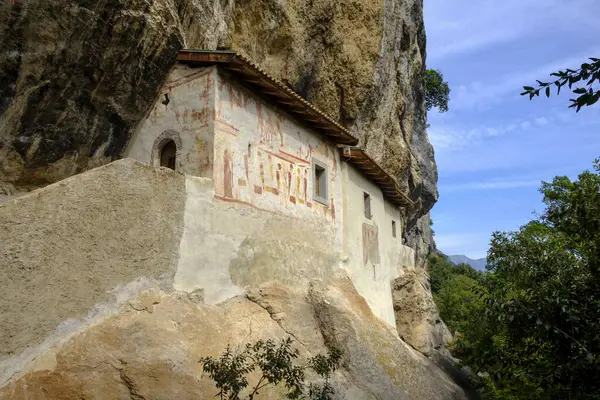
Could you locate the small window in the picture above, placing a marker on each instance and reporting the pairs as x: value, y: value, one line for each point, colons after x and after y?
x: 393, y: 228
x: 367, y: 203
x: 320, y: 182
x: 168, y: 155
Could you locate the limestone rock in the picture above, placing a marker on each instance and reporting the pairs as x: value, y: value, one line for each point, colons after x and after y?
x: 77, y: 76
x: 419, y: 237
x: 417, y: 319
x: 139, y: 354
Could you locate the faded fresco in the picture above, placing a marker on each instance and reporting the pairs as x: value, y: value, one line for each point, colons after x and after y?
x: 263, y: 157
x: 185, y: 108
x: 370, y: 243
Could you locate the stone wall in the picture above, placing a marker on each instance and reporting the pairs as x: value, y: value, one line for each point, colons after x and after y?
x: 372, y: 256
x: 228, y: 246
x: 71, y: 250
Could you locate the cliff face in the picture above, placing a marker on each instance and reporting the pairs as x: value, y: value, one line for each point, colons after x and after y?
x: 151, y: 347
x: 77, y: 75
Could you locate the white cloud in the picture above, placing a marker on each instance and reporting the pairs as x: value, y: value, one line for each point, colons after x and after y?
x: 463, y: 26
x: 493, y: 132
x: 490, y: 185
x: 478, y: 95
x: 525, y: 125
x: 446, y: 137
x: 472, y: 245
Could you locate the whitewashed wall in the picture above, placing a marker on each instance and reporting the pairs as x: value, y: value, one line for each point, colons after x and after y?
x: 373, y: 257
x: 256, y: 219
x: 185, y: 108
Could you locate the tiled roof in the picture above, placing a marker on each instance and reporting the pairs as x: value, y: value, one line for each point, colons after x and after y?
x: 273, y: 89
x: 276, y: 91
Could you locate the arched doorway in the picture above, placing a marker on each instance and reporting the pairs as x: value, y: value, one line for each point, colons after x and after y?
x: 167, y: 151
x: 168, y: 155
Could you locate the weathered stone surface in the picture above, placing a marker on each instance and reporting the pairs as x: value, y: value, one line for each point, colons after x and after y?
x: 151, y: 349
x: 77, y: 76
x: 417, y: 319
x: 84, y: 241
x: 419, y: 237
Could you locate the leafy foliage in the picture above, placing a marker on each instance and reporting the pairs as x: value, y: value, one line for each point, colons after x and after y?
x: 538, y: 334
x: 437, y: 92
x: 442, y: 270
x: 457, y: 301
x: 588, y: 74
x: 452, y: 289
x: 276, y: 364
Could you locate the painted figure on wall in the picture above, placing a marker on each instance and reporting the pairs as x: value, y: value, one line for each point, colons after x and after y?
x: 370, y: 244
x: 227, y: 175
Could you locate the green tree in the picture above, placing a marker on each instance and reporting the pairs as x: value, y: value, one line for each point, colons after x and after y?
x: 275, y: 362
x: 437, y: 92
x: 538, y: 336
x: 442, y: 270
x: 588, y: 74
x: 457, y: 302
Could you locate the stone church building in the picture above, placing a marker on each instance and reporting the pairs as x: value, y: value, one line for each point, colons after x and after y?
x: 285, y: 177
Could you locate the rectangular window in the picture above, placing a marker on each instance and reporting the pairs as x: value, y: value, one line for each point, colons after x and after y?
x: 394, y: 228
x: 367, y: 203
x: 320, y: 192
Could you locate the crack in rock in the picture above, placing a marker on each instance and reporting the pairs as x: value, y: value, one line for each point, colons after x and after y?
x: 277, y: 317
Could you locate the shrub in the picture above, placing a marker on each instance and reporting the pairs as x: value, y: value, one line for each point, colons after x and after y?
x: 276, y: 364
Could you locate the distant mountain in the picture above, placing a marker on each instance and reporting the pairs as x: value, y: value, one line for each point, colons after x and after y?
x: 477, y: 264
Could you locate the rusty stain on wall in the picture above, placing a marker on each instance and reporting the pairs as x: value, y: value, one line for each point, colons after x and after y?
x: 332, y: 209
x: 224, y: 127
x: 204, y: 152
x: 237, y: 98
x: 227, y: 175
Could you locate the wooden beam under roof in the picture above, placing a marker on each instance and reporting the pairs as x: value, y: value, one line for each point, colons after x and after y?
x: 370, y: 168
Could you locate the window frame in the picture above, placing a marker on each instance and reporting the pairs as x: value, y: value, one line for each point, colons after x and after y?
x: 319, y: 198
x: 369, y: 215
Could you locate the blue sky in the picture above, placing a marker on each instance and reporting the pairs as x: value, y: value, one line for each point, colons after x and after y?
x: 494, y: 147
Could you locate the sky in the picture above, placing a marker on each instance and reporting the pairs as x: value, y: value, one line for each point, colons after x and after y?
x: 494, y: 147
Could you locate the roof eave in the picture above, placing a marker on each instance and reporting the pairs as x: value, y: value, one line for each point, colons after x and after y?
x: 359, y: 158
x: 268, y: 86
